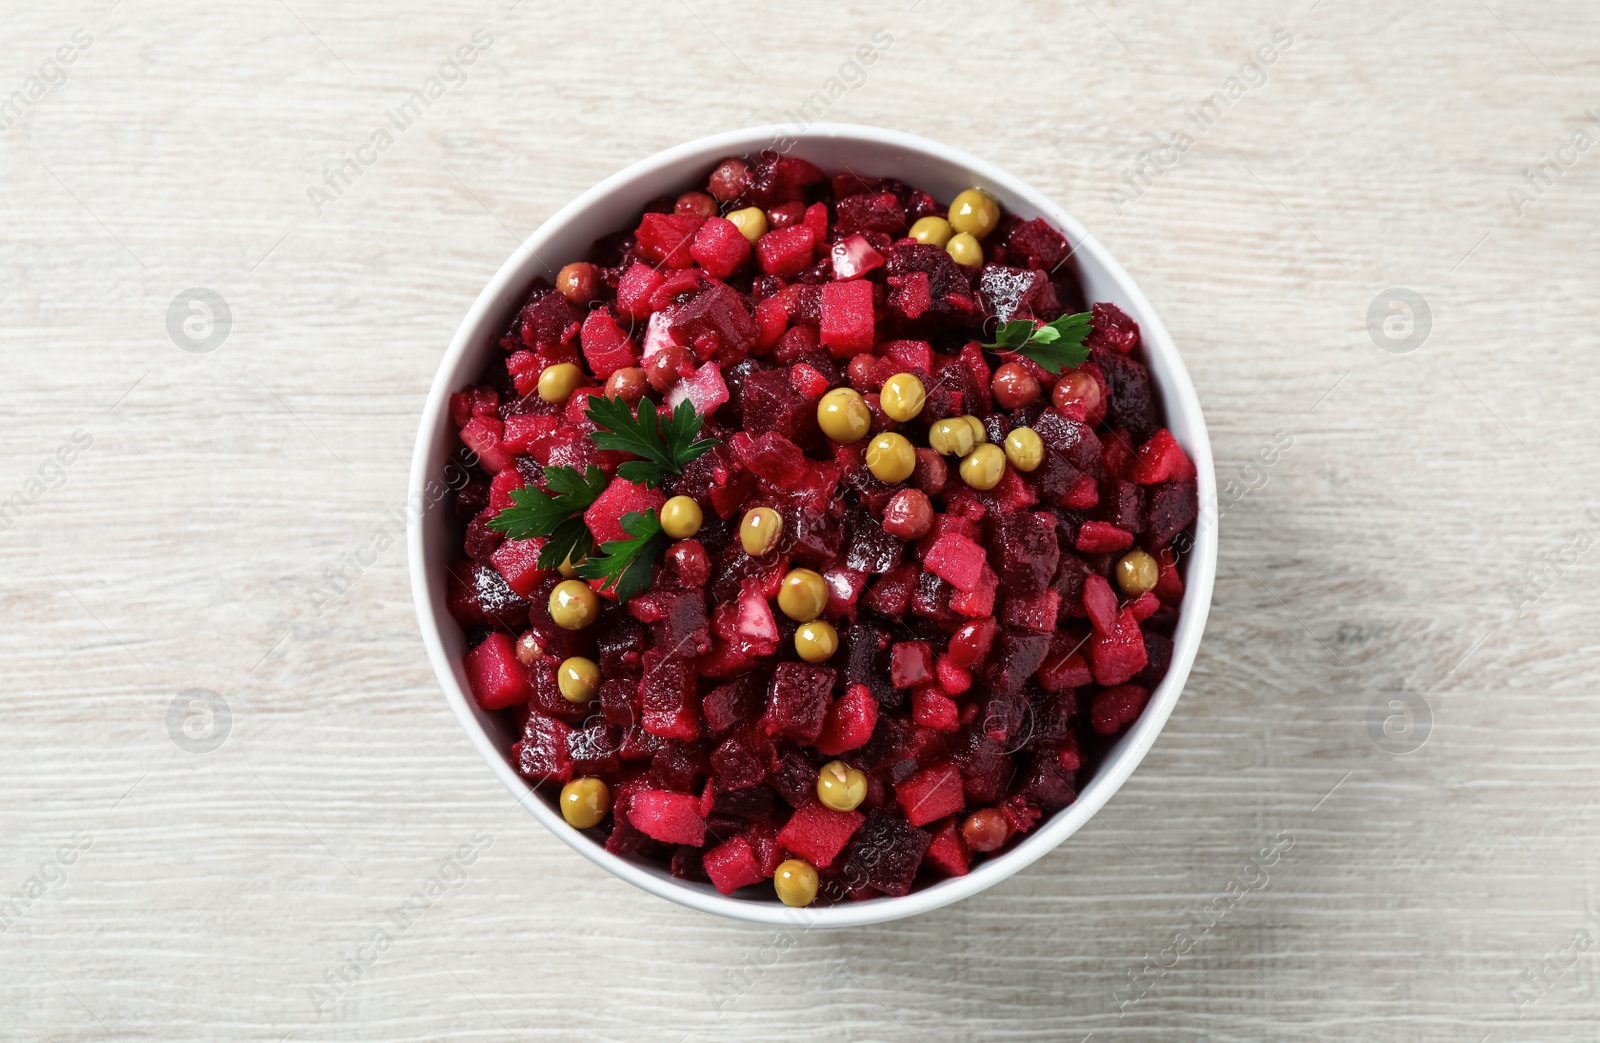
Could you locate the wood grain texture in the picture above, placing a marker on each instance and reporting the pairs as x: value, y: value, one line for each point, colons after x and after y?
x: 212, y: 892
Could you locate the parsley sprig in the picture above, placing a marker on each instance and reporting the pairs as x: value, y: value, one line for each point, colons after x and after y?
x: 557, y: 515
x: 665, y: 444
x: 1055, y: 346
x: 625, y: 565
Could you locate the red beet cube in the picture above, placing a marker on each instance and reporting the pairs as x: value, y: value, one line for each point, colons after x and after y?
x: 523, y: 429
x: 732, y: 865
x: 604, y: 516
x: 482, y: 435
x: 719, y: 247
x: 1098, y: 537
x: 1113, y: 328
x: 932, y: 794
x: 958, y: 560
x: 849, y: 723
x: 1160, y: 459
x: 1023, y: 550
x: 716, y: 323
x: 854, y: 256
x: 807, y: 380
x: 635, y: 289
x: 1100, y: 602
x: 972, y: 642
x: 786, y: 251
x: 1116, y: 655
x: 773, y: 457
x: 606, y: 346
x: 910, y: 664
x: 1116, y: 708
x: 817, y: 833
x: 668, y: 693
x: 797, y: 701
x: 542, y: 753
x: 978, y: 602
x: 953, y: 680
x: 816, y: 219
x: 518, y: 562
x: 672, y: 818
x: 844, y: 589
x: 846, y: 325
x: 886, y: 854
x: 1065, y: 667
x: 494, y: 674
x: 890, y: 596
x: 773, y: 318
x: 908, y: 355
x: 910, y: 295
x: 948, y: 853
x: 666, y: 239
x: 1035, y: 612
x: 931, y: 708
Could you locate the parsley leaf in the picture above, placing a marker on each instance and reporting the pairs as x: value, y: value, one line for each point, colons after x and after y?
x: 558, y: 518
x: 1055, y: 346
x: 625, y: 565
x: 666, y: 442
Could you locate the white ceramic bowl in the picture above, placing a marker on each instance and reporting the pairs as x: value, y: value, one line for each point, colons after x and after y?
x: 615, y: 203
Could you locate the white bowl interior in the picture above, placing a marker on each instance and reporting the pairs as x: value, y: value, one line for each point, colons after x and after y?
x: 614, y: 204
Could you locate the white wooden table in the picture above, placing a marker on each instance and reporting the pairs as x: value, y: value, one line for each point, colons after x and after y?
x: 171, y: 515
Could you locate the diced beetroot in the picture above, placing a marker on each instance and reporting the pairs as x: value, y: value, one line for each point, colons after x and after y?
x: 1118, y: 654
x: 910, y: 295
x: 1113, y: 328
x: 807, y: 380
x: 786, y: 251
x: 666, y: 239
x: 1023, y: 550
x: 972, y: 642
x: 606, y: 346
x: 886, y: 853
x: 482, y: 435
x: 1160, y: 459
x: 548, y: 324
x: 849, y: 723
x: 773, y: 318
x: 732, y: 864
x: 1098, y: 537
x: 705, y: 390
x: 634, y: 290
x: 1145, y: 606
x: 979, y: 601
x: 1116, y: 708
x: 948, y: 854
x: 910, y: 664
x: 523, y: 429
x: 754, y: 624
x: 1035, y: 612
x: 931, y: 708
x: 772, y: 404
x: 518, y: 562
x: 1065, y: 667
x: 604, y: 516
x: 1100, y: 602
x: 846, y: 327
x: 871, y: 212
x: 717, y: 324
x: 1173, y: 507
x: 891, y: 595
x: 719, y: 247
x: 953, y: 680
x: 501, y: 487
x: 542, y: 752
x: 854, y: 256
x: 524, y: 368
x: 931, y: 794
x: 668, y: 693
x: 817, y: 833
x: 1037, y: 244
x: 1169, y: 588
x: 816, y: 219
x: 773, y: 457
x: 908, y: 355
x: 797, y: 701
x: 672, y: 818
x: 844, y: 589
x: 496, y: 677
x: 958, y: 560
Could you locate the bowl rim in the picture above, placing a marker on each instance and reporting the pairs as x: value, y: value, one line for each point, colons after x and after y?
x: 1175, y: 389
